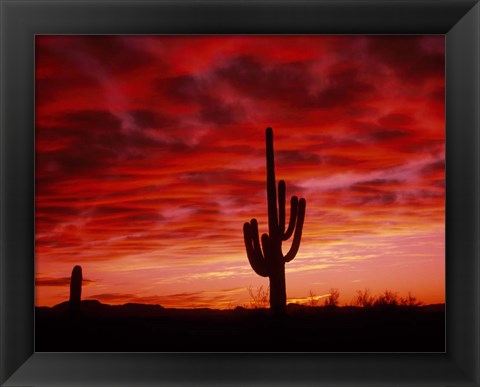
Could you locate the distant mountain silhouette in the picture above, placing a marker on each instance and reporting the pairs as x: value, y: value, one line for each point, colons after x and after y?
x: 97, y: 309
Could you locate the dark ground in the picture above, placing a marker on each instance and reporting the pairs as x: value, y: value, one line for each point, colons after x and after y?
x: 151, y: 328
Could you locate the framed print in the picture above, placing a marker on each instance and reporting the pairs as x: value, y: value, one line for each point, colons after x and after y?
x: 192, y: 189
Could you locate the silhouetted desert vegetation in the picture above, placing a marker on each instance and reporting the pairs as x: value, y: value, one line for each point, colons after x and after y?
x: 139, y: 327
x: 267, y: 259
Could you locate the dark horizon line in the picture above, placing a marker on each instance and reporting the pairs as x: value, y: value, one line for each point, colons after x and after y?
x: 240, y: 306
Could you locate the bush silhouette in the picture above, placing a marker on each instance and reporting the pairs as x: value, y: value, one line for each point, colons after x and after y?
x: 271, y: 262
x: 333, y: 297
x: 410, y: 301
x: 312, y: 299
x: 363, y: 299
x: 75, y: 290
x: 387, y: 300
x: 258, y: 297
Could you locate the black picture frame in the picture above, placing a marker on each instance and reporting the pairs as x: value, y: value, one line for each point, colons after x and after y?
x: 20, y: 20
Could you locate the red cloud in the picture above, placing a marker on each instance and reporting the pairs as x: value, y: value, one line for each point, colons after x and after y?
x: 145, y: 156
x: 65, y: 281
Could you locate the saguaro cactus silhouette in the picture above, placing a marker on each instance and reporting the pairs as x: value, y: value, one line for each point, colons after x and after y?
x: 75, y: 290
x: 271, y: 261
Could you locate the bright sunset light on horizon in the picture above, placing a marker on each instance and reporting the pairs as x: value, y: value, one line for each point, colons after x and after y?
x: 150, y: 157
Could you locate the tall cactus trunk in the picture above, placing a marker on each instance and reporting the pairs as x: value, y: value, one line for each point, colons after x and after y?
x: 270, y: 261
x: 278, y: 291
x: 75, y: 290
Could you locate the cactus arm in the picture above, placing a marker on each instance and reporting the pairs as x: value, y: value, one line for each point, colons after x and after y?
x: 298, y: 231
x: 293, y: 218
x: 255, y: 257
x: 271, y: 188
x: 281, y: 206
x: 254, y: 235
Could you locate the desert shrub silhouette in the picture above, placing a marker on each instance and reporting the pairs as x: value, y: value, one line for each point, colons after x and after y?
x: 410, y: 301
x: 387, y: 300
x: 75, y: 291
x: 333, y: 297
x: 363, y: 299
x: 312, y: 299
x: 258, y: 297
x: 271, y: 262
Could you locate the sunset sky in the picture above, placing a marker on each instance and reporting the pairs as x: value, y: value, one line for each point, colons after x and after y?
x: 150, y: 156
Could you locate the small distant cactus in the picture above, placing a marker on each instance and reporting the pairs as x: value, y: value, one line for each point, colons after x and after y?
x: 271, y: 262
x: 75, y: 290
